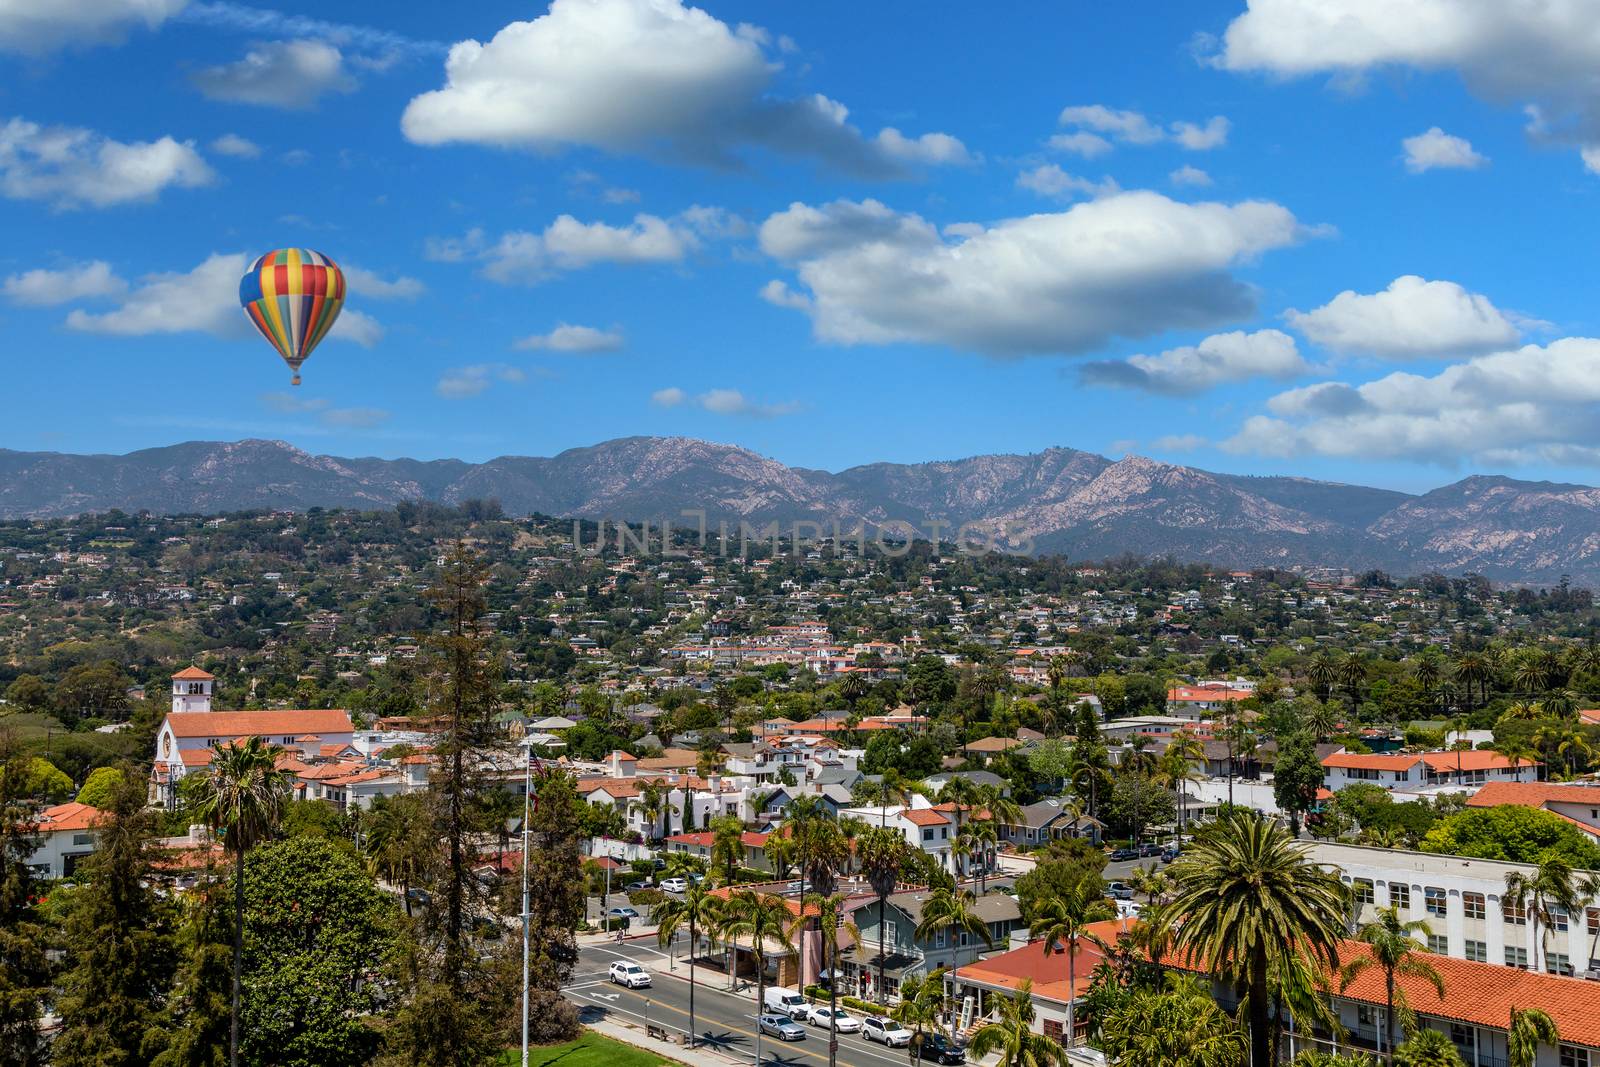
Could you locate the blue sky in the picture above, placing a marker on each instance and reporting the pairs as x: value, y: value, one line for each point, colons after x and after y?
x: 833, y: 233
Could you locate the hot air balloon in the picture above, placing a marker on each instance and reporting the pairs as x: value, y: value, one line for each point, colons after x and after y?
x: 293, y: 296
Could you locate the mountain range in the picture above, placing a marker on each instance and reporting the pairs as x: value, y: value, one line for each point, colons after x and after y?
x: 1062, y: 499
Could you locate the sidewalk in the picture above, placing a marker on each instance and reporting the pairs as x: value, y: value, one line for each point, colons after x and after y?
x: 669, y: 1050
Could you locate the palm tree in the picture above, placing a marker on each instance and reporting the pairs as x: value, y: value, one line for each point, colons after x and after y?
x: 1149, y: 881
x: 1470, y: 670
x: 1395, y: 951
x: 1427, y: 1048
x: 1001, y: 808
x: 1352, y: 674
x: 242, y: 796
x: 1179, y: 765
x: 951, y: 910
x: 1551, y: 886
x: 921, y: 1000
x: 727, y: 845
x: 779, y: 851
x: 1247, y: 896
x: 1178, y: 1024
x: 1061, y: 919
x: 1576, y: 750
x: 881, y: 853
x: 652, y: 802
x: 1530, y: 672
x: 852, y: 687
x: 1012, y: 1035
x: 962, y: 793
x: 399, y: 843
x: 831, y: 920
x: 1323, y: 674
x: 1518, y: 752
x: 983, y: 839
x: 762, y: 917
x: 1529, y: 1029
x: 1322, y: 721
x: 700, y: 910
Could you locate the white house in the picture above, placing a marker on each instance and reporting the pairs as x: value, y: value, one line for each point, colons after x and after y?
x: 1412, y: 771
x: 65, y: 837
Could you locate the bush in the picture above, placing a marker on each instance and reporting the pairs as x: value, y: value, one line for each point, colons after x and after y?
x: 646, y: 896
x: 1517, y: 834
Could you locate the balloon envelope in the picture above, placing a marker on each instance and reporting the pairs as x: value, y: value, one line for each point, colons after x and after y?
x: 293, y: 296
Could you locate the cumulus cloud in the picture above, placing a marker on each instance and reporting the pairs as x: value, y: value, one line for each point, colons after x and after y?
x: 231, y: 144
x: 69, y: 167
x: 36, y: 27
x: 1094, y: 127
x: 287, y: 74
x: 576, y: 340
x: 461, y: 382
x: 652, y: 77
x: 1529, y: 52
x: 49, y: 288
x: 1050, y: 180
x: 722, y: 402
x: 202, y: 300
x: 1131, y: 264
x: 364, y: 282
x: 1191, y: 176
x: 1412, y: 319
x: 1437, y: 150
x: 1217, y: 360
x: 1532, y: 402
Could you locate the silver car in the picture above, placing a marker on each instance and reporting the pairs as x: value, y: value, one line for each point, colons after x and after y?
x: 891, y: 1033
x: 781, y: 1027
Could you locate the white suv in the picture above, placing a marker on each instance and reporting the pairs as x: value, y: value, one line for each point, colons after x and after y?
x: 629, y: 974
x: 891, y: 1033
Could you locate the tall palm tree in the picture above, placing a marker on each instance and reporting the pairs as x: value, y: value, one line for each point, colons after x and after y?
x: 1179, y: 765
x: 243, y: 797
x: 1427, y: 1048
x: 804, y: 812
x: 962, y: 793
x: 727, y: 845
x: 881, y: 853
x: 1575, y: 749
x: 1061, y: 919
x: 1551, y: 886
x: 698, y: 909
x: 1149, y: 881
x: 399, y: 843
x: 1395, y: 951
x: 1323, y: 674
x: 1528, y: 1030
x: 951, y: 910
x: 763, y: 918
x: 1472, y: 669
x: 921, y: 1001
x: 1247, y: 896
x: 1177, y: 1024
x: 780, y: 852
x: 831, y: 920
x: 1000, y: 807
x: 1530, y: 671
x: 1518, y: 752
x: 1012, y: 1035
x: 1323, y: 721
x: 1352, y: 675
x: 653, y: 802
x: 852, y: 687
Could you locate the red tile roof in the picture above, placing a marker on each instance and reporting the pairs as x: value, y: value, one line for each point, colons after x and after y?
x: 923, y: 817
x: 1479, y: 759
x: 1371, y: 761
x: 191, y: 724
x: 1533, y: 794
x: 704, y: 839
x: 73, y: 816
x: 193, y: 674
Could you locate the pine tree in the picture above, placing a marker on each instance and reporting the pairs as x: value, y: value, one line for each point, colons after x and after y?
x: 24, y: 968
x: 555, y: 905
x: 195, y: 1027
x: 120, y: 948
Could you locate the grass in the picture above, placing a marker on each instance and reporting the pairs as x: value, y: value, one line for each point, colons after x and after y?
x: 590, y: 1050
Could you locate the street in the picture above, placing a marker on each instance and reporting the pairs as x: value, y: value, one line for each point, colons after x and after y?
x: 724, y: 1021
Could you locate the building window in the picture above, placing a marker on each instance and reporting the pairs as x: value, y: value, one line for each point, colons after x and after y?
x: 1362, y: 889
x: 1433, y: 897
x: 1439, y: 944
x: 1478, y: 951
x: 927, y: 835
x: 1516, y: 957
x: 1558, y: 963
x: 1366, y: 1016
x: 1399, y: 895
x: 938, y: 939
x: 1592, y: 916
x: 1473, y: 905
x: 1573, y: 1056
x: 1559, y: 918
x: 1514, y: 912
x: 83, y: 839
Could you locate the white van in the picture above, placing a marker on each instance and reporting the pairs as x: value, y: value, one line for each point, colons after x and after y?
x: 783, y: 1001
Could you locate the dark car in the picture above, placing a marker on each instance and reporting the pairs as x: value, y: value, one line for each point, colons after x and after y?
x: 1147, y: 851
x: 939, y: 1049
x: 1170, y: 853
x: 1125, y: 854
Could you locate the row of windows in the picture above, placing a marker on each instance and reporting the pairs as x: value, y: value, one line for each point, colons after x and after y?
x: 1473, y: 905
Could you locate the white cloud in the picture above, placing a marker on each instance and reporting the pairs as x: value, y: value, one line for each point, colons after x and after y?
x: 461, y: 382
x: 353, y: 418
x: 1436, y: 149
x: 1219, y: 359
x: 357, y: 418
x: 380, y: 47
x: 722, y: 402
x: 1412, y: 319
x: 650, y: 77
x: 287, y: 74
x: 1095, y: 127
x: 1178, y: 442
x: 71, y: 167
x: 202, y: 300
x: 1048, y: 179
x: 1188, y: 175
x: 527, y: 258
x: 231, y: 144
x: 1533, y: 402
x: 48, y: 288
x: 35, y: 27
x: 1542, y: 53
x: 366, y: 283
x: 1130, y: 264
x: 581, y: 340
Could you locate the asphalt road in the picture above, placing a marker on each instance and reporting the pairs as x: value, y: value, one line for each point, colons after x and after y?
x: 723, y: 1020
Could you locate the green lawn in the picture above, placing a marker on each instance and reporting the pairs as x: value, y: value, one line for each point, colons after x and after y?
x: 590, y: 1050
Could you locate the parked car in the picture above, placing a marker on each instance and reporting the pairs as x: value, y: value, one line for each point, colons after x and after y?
x: 621, y: 913
x: 1124, y: 854
x: 1120, y: 891
x: 841, y: 1021
x: 674, y: 885
x: 630, y: 974
x: 1170, y: 853
x: 940, y: 1049
x: 781, y: 1027
x: 632, y: 886
x: 785, y: 1002
x: 1148, y: 851
x: 887, y: 1031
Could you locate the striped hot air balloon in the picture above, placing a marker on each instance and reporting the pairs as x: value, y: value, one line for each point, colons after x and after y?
x: 293, y: 296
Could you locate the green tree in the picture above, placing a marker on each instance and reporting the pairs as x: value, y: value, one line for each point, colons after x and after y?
x: 1551, y: 887
x: 700, y: 911
x: 1515, y: 834
x: 1296, y: 777
x: 316, y: 929
x: 556, y: 902
x: 881, y: 853
x: 1528, y: 1030
x: 1013, y: 1037
x: 1247, y: 897
x: 119, y: 940
x: 242, y: 796
x: 1393, y: 949
x: 1427, y: 1048
x: 399, y: 842
x: 1179, y: 1025
x: 921, y: 1000
x: 28, y: 694
x: 44, y: 781
x: 196, y: 1024
x: 727, y: 845
x: 1062, y: 921
x: 100, y: 787
x: 762, y: 919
